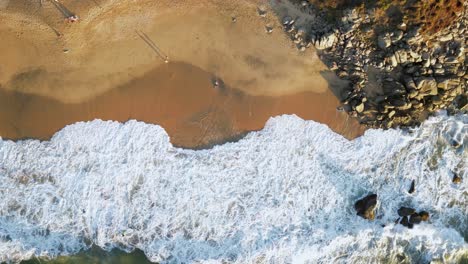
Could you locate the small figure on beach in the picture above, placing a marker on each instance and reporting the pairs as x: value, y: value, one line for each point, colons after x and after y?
x: 67, y: 14
x: 72, y: 18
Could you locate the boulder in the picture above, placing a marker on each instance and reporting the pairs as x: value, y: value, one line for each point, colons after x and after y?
x: 396, y: 36
x: 406, y: 211
x: 404, y: 221
x: 424, y: 215
x: 413, y: 93
x: 326, y: 41
x: 384, y: 41
x: 456, y: 179
x: 401, y: 56
x: 365, y: 207
x: 360, y: 107
x: 411, y: 189
x: 426, y: 85
x: 445, y: 38
x: 415, y: 219
x: 393, y: 60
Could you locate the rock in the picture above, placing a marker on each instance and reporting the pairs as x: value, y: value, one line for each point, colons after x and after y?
x: 406, y: 211
x: 456, y: 179
x: 426, y: 56
x: 411, y: 189
x: 384, y: 41
x: 415, y: 219
x: 426, y: 85
x: 414, y: 55
x: 445, y: 38
x: 396, y: 36
x: 326, y: 41
x: 404, y: 221
x: 426, y: 63
x: 393, y: 60
x: 402, y: 26
x: 436, y: 100
x: 365, y: 207
x: 287, y: 20
x: 413, y: 93
x: 424, y: 215
x: 360, y: 108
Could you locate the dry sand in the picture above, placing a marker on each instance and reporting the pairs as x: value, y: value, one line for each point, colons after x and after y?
x: 57, y: 73
x: 104, y: 49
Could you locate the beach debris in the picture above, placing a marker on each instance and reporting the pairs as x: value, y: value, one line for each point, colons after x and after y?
x: 66, y: 51
x: 153, y: 46
x: 411, y: 189
x: 365, y: 207
x: 67, y: 14
x: 406, y: 211
x: 234, y: 19
x: 268, y: 29
x: 456, y: 179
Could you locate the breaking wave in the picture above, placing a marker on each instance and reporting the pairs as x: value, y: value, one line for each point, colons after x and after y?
x: 282, y: 194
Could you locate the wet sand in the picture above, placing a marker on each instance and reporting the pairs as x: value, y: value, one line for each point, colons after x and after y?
x: 178, y: 96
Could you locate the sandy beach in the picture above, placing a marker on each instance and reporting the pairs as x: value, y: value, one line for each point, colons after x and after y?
x: 179, y: 97
x: 104, y: 49
x: 110, y: 65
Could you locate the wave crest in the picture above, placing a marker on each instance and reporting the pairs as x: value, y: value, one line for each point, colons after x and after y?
x: 284, y: 193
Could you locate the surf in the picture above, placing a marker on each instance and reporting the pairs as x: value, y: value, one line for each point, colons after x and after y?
x: 283, y: 194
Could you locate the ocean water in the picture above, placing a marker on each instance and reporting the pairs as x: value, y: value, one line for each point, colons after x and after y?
x: 284, y: 194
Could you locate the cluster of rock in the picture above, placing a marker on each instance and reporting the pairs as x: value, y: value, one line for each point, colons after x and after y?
x: 397, y: 76
x: 408, y: 217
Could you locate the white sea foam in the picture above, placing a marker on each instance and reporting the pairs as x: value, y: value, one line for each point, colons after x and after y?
x: 282, y: 194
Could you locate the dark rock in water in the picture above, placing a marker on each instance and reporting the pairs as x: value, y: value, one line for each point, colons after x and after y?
x: 411, y: 189
x: 415, y: 219
x: 404, y: 221
x: 456, y: 179
x: 365, y: 207
x: 406, y: 211
x: 424, y: 215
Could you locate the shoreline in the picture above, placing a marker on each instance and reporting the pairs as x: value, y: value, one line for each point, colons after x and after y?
x: 195, y: 113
